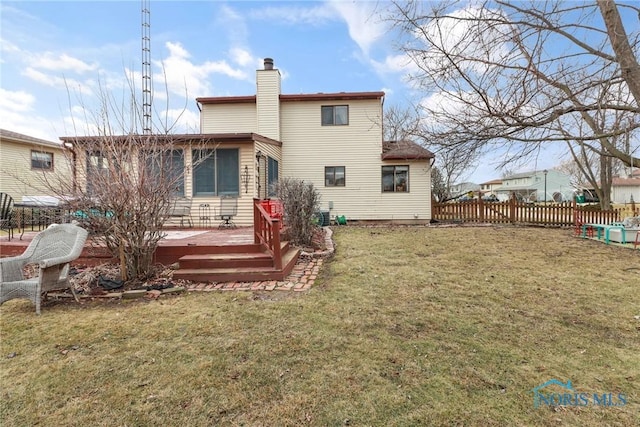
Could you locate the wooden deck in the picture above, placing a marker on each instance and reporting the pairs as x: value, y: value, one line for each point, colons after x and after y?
x: 205, y: 255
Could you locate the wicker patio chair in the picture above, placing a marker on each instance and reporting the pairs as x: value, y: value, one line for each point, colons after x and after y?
x: 6, y: 207
x: 52, y: 250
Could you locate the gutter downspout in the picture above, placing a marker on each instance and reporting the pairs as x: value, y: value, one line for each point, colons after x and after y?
x: 69, y: 147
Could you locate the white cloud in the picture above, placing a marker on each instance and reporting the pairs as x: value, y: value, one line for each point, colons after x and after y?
x: 242, y: 57
x: 17, y: 114
x: 16, y: 100
x: 233, y: 25
x: 79, y: 122
x: 57, y: 82
x: 463, y: 34
x: 365, y: 28
x: 395, y: 64
x: 183, y: 75
x: 294, y: 15
x: 7, y: 47
x: 61, y: 62
x: 182, y: 121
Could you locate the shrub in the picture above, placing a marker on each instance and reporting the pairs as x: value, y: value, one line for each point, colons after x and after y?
x: 300, y: 201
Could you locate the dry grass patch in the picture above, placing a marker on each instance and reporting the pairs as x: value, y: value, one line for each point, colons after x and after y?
x: 406, y: 326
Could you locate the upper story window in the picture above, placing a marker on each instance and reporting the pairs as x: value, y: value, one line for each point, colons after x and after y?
x: 41, y: 160
x: 334, y: 176
x: 335, y: 115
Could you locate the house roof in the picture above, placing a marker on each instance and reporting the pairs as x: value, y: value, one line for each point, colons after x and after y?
x: 625, y: 182
x: 492, y: 182
x: 184, y: 138
x: 26, y: 139
x: 340, y: 96
x: 404, y: 150
x: 521, y: 175
x: 516, y: 188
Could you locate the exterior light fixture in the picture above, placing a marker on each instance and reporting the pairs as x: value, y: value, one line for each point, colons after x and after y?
x: 245, y: 178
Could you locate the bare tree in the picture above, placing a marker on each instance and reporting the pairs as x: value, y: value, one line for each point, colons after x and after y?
x: 452, y: 161
x: 124, y: 190
x: 439, y: 187
x: 518, y: 75
x: 400, y: 123
x: 125, y: 183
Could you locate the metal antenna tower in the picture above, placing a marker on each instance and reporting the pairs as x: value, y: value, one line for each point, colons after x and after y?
x: 146, y: 68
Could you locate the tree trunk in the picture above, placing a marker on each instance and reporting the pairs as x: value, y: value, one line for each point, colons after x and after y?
x: 620, y: 44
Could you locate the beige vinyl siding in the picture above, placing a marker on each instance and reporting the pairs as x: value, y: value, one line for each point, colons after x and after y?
x: 18, y: 179
x: 229, y: 118
x: 414, y: 205
x: 268, y: 103
x: 272, y: 151
x: 308, y: 147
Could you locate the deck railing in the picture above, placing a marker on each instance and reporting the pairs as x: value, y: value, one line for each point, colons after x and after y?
x: 266, y: 231
x: 514, y: 212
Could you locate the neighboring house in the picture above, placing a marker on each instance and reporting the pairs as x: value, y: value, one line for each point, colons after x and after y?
x: 625, y: 190
x: 463, y: 188
x: 490, y: 187
x: 530, y: 186
x: 333, y: 141
x: 28, y: 165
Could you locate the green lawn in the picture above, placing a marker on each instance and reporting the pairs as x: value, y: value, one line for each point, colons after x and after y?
x: 406, y: 326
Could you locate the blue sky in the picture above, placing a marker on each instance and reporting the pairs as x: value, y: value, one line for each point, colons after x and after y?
x: 57, y: 56
x: 54, y: 52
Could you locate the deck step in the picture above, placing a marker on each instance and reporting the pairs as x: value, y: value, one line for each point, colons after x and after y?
x: 230, y: 260
x: 237, y: 273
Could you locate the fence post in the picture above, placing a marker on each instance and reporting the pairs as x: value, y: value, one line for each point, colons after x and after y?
x: 512, y: 208
x: 433, y: 206
x: 481, y: 207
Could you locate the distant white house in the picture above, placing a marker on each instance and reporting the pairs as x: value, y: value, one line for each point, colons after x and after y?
x: 27, y: 163
x: 489, y: 187
x: 626, y: 190
x: 540, y: 185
